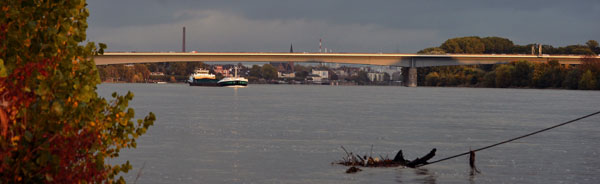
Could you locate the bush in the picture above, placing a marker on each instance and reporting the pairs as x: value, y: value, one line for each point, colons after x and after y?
x: 522, y: 73
x: 504, y: 76
x: 489, y: 79
x: 432, y: 79
x: 588, y: 81
x: 572, y: 79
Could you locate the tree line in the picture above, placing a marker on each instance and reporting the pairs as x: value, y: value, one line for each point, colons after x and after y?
x: 141, y: 73
x: 520, y: 74
x: 267, y: 72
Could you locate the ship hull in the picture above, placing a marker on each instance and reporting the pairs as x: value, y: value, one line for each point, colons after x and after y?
x: 233, y: 83
x: 205, y: 82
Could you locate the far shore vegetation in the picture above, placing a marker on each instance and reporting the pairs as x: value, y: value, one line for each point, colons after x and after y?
x: 517, y: 74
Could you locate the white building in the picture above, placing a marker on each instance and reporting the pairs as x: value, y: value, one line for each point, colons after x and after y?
x: 376, y: 77
x: 324, y: 74
x: 286, y: 75
x: 341, y: 73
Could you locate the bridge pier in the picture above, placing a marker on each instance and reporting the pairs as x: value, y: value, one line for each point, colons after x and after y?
x: 412, y: 77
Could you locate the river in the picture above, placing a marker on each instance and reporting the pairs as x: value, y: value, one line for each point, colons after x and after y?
x: 292, y: 133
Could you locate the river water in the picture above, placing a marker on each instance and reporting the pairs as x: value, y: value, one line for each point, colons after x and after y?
x: 292, y: 133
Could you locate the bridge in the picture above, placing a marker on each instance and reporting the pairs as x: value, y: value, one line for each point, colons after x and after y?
x: 403, y: 60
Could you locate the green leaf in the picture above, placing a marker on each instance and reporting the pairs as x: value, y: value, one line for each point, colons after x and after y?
x: 3, y: 72
x: 57, y: 108
x: 28, y: 136
x: 42, y: 90
x: 31, y: 24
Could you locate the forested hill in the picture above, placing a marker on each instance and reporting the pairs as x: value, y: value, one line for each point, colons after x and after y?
x: 498, y: 45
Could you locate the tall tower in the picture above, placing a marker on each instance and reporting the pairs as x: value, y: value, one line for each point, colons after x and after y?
x: 320, y: 44
x: 183, y: 42
x: 290, y: 64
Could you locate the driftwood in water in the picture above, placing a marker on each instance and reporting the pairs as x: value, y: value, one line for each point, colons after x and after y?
x: 355, y: 160
x: 421, y: 161
x: 353, y: 169
x: 399, y: 157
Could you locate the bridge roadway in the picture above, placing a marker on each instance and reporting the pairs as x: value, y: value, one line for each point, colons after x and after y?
x: 403, y: 60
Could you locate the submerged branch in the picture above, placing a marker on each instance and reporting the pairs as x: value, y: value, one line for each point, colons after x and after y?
x: 355, y: 160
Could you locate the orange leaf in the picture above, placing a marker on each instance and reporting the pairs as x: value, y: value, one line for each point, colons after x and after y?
x: 3, y: 122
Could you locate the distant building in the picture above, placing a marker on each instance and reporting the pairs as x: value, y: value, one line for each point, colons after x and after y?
x: 375, y: 77
x: 341, y: 74
x: 285, y: 67
x: 321, y: 73
x: 286, y: 75
x: 219, y: 69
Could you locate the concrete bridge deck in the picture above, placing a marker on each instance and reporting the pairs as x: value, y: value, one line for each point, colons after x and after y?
x: 405, y: 60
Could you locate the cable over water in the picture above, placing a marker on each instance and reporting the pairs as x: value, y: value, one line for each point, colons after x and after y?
x: 513, y: 139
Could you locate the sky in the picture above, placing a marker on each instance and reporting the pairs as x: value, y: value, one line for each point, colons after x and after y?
x: 369, y: 26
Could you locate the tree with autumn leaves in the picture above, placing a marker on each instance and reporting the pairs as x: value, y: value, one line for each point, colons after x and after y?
x: 54, y: 128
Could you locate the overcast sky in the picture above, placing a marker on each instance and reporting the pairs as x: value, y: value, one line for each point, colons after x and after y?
x: 405, y: 26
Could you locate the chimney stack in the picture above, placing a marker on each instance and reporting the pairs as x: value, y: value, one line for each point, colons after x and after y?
x: 183, y: 43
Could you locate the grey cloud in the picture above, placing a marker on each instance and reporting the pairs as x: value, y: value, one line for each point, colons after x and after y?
x: 218, y: 31
x: 556, y: 22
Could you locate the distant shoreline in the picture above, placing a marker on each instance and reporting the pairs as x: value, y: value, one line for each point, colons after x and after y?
x: 183, y: 83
